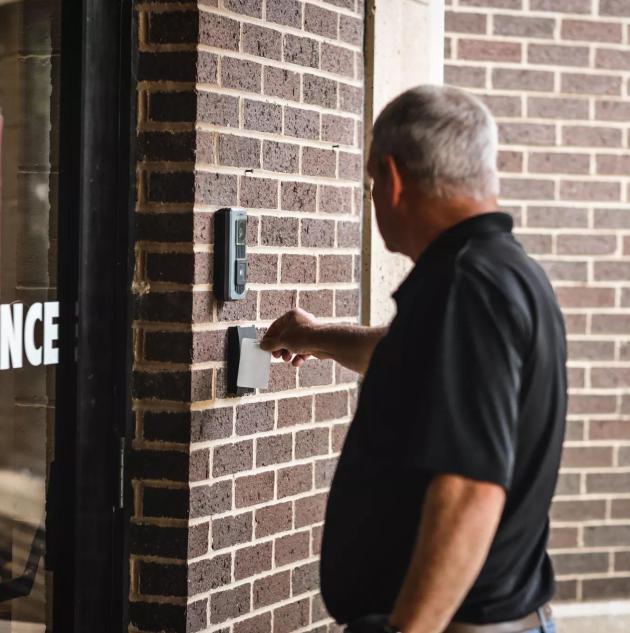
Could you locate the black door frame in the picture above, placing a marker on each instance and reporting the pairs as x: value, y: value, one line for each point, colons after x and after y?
x: 87, y: 509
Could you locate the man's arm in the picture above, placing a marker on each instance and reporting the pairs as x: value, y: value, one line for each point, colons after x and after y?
x: 459, y: 520
x: 297, y: 335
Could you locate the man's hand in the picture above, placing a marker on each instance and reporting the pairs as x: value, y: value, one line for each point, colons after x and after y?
x: 297, y: 335
x: 291, y: 337
x: 459, y: 520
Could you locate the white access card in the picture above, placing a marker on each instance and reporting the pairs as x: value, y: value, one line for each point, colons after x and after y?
x: 253, y: 368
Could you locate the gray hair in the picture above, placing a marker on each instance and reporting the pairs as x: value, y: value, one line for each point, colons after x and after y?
x: 443, y: 138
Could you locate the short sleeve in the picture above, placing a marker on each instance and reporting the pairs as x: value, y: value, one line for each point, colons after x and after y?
x: 469, y: 413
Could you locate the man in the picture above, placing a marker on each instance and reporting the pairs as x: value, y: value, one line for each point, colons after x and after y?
x: 437, y: 518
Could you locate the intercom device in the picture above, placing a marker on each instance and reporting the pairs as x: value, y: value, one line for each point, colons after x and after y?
x: 230, y: 254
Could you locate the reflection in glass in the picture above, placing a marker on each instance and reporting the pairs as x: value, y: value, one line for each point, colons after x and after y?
x: 29, y: 67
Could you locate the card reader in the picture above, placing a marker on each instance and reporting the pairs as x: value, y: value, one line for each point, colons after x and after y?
x: 230, y: 254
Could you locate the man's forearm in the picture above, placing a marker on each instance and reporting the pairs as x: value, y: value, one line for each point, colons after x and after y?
x: 459, y: 520
x: 350, y: 345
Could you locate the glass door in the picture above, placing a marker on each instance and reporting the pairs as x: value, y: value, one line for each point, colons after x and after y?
x: 29, y: 127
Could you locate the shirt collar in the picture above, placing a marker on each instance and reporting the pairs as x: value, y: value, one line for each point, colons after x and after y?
x: 456, y: 236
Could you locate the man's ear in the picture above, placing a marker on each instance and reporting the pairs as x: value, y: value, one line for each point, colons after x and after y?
x: 394, y: 180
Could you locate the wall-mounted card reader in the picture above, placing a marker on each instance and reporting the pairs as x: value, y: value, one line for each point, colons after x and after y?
x: 230, y: 254
x: 247, y: 365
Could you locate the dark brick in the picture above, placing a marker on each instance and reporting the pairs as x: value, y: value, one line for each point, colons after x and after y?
x: 279, y: 231
x: 282, y: 157
x: 274, y: 303
x: 263, y: 42
x: 298, y: 196
x: 317, y: 233
x: 165, y: 66
x: 324, y: 471
x: 351, y: 30
x: 158, y: 501
x: 182, y: 386
x: 301, y: 123
x: 286, y: 12
x: 257, y: 624
x: 217, y: 109
x: 320, y: 21
x: 465, y: 76
x: 263, y: 268
x: 259, y: 192
x: 274, y: 518
x: 173, y: 27
x: 617, y: 8
x: 172, y: 106
x: 320, y: 91
x: 274, y: 449
x: 161, y: 579
x: 282, y: 376
x: 209, y: 574
x: 350, y: 98
x: 270, y: 589
x: 279, y: 82
x: 305, y: 578
x: 335, y: 199
x: 252, y: 8
x: 231, y: 530
x: 261, y: 116
x: 232, y: 603
x: 219, y: 31
x: 577, y: 83
x: 152, y: 616
x: 153, y: 540
x: 311, y: 442
x: 254, y: 489
x: 238, y: 151
x: 316, y: 373
x: 255, y: 417
x: 168, y: 146
x: 338, y: 60
x: 249, y: 561
x: 244, y: 310
x: 298, y: 269
x: 291, y: 616
x: 317, y: 302
x: 319, y: 162
x: 309, y: 510
x: 199, y: 465
x: 337, y: 129
x: 301, y: 50
x: 291, y: 548
x: 295, y: 411
x: 208, y: 500
x: 241, y: 74
x: 517, y: 79
x: 232, y: 458
x: 215, y: 189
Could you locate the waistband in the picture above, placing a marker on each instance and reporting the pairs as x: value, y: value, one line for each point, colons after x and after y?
x: 534, y: 620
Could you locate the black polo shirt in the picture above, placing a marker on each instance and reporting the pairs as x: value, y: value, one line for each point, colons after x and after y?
x: 470, y: 380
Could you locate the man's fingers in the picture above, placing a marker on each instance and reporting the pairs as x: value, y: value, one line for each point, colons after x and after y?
x: 276, y: 353
x: 286, y: 355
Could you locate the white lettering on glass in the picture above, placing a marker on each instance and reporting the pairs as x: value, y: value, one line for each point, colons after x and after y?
x: 17, y: 334
x: 33, y: 353
x: 11, y: 335
x: 51, y: 333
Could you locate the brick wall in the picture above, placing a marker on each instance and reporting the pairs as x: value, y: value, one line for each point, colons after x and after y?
x: 556, y: 75
x: 254, y: 103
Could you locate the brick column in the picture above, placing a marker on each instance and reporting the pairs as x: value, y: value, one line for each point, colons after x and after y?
x: 258, y: 104
x: 555, y: 74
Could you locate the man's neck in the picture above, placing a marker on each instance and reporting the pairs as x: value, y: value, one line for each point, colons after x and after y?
x: 434, y: 216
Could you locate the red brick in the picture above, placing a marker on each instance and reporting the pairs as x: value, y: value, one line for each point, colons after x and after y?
x: 555, y: 108
x: 257, y: 624
x: 499, y: 4
x: 502, y: 105
x: 580, y: 563
x: 460, y: 22
x: 591, y: 31
x: 241, y: 74
x: 291, y: 548
x: 617, y: 8
x: 279, y: 82
x: 312, y: 442
x: 291, y: 616
x: 612, y: 271
x: 565, y: 271
x: 337, y: 60
x: 577, y: 83
x: 567, y: 6
x: 319, y: 91
x: 335, y: 268
x: 553, y: 55
x: 527, y: 189
x: 559, y: 163
x: 484, y: 50
x: 585, y: 136
x: 274, y: 449
x: 320, y: 21
x: 563, y: 537
x: 590, y: 191
x: 231, y: 530
x: 557, y: 217
x: 309, y: 510
x: 273, y: 519
x: 613, y: 164
x: 610, y: 324
x: 609, y: 430
x: 279, y: 231
x: 586, y: 297
x: 578, y: 510
x: 464, y: 76
x: 270, y: 589
x: 253, y: 489
x: 295, y: 480
x: 609, y: 377
x: 249, y: 561
x: 586, y: 244
x: 295, y: 411
x: 518, y: 79
x: 517, y: 26
x: 298, y: 269
x: 587, y: 456
x: 612, y: 110
x: 591, y: 350
x: 606, y: 483
x: 510, y: 161
x: 231, y: 603
x: 263, y: 42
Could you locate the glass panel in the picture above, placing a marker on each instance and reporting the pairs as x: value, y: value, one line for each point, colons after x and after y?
x: 29, y: 87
